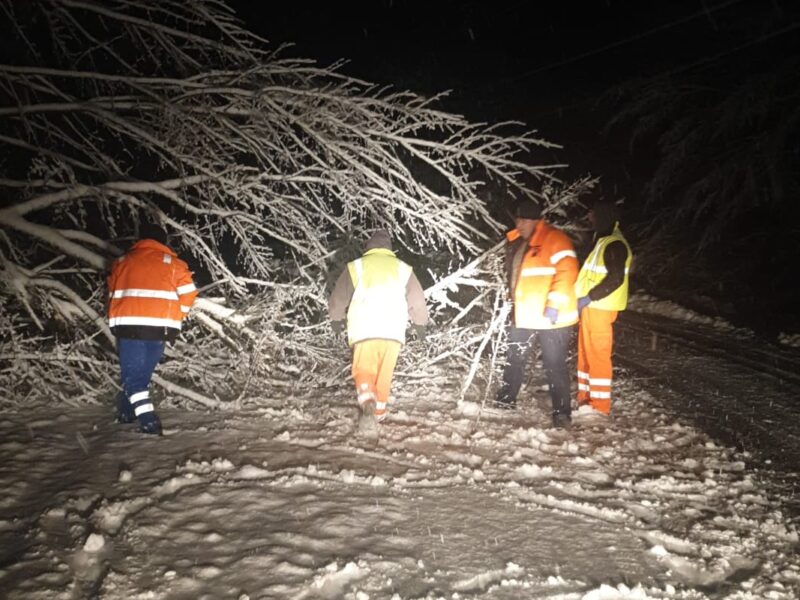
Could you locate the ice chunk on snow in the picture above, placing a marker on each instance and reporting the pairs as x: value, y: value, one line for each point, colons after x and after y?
x: 332, y: 582
x: 659, y: 550
x: 532, y: 471
x: 251, y: 472
x: 94, y: 543
x: 513, y: 568
x: 111, y: 517
x: 621, y: 592
x: 468, y: 409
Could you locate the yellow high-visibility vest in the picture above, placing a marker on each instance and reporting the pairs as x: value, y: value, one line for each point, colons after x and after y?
x: 378, y: 309
x: 594, y: 271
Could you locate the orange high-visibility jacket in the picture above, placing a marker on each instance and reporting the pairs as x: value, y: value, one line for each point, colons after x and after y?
x: 542, y: 274
x: 149, y: 287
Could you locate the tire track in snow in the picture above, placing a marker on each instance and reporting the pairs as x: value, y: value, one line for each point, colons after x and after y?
x: 738, y: 390
x: 783, y: 363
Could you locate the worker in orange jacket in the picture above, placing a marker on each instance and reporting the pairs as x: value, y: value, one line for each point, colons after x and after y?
x: 378, y: 294
x: 602, y: 290
x: 541, y: 267
x: 150, y: 292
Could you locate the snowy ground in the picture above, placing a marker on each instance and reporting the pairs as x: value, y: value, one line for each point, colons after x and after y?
x: 734, y: 385
x: 449, y: 502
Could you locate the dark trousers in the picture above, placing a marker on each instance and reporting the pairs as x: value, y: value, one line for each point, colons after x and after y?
x: 554, y: 344
x: 137, y: 361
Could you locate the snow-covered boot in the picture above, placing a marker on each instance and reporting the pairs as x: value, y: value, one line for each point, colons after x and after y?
x: 562, y: 421
x: 149, y: 423
x: 366, y: 420
x: 125, y: 412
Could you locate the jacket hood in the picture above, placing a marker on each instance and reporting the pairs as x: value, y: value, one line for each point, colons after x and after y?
x: 379, y: 239
x: 151, y: 244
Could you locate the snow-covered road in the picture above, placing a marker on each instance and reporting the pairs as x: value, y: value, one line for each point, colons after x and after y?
x: 449, y: 502
x: 736, y: 387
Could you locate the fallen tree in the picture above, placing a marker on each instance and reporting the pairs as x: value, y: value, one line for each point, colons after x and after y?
x: 267, y: 171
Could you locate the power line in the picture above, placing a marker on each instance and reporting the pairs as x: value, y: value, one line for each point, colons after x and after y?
x: 702, y: 61
x: 705, y: 12
x: 758, y: 40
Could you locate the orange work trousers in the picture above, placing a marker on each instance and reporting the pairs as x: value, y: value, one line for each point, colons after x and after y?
x: 595, y: 341
x: 373, y: 368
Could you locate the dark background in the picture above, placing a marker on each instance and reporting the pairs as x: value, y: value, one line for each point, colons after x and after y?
x: 566, y: 69
x: 547, y: 64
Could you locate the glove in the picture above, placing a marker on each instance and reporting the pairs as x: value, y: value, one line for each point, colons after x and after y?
x: 551, y: 314
x: 583, y: 302
x: 338, y: 327
x: 419, y: 332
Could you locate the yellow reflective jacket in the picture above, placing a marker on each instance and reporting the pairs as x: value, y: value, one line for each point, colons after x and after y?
x: 378, y: 308
x: 594, y: 271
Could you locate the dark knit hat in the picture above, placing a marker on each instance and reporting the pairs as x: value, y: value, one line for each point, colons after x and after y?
x: 379, y: 239
x: 606, y: 216
x: 152, y: 231
x: 528, y: 209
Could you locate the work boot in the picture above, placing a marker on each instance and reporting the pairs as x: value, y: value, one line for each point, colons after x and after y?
x: 562, y: 421
x: 150, y: 423
x: 125, y: 412
x: 366, y: 420
x: 124, y: 418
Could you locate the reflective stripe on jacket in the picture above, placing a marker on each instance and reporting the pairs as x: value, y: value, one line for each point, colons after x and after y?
x: 543, y: 274
x: 378, y: 308
x: 149, y: 287
x: 594, y: 271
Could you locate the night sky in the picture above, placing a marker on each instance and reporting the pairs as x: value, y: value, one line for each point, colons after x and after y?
x: 553, y: 65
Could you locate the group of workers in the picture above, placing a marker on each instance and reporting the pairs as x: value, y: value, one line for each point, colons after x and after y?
x: 550, y: 294
x: 151, y: 291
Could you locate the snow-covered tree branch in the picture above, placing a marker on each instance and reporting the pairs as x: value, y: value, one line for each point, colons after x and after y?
x: 264, y: 169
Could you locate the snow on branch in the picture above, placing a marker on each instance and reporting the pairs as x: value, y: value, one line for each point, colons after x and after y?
x: 263, y: 168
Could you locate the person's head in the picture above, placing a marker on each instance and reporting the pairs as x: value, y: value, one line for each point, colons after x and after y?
x: 149, y: 230
x: 526, y: 215
x: 603, y: 216
x: 379, y: 239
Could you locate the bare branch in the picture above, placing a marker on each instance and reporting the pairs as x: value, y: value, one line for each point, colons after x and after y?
x: 267, y: 172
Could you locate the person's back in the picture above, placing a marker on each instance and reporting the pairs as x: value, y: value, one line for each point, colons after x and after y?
x: 145, y: 287
x: 150, y: 292
x: 378, y: 293
x: 378, y: 307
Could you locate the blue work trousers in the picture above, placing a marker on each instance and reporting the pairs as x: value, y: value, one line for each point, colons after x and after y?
x: 137, y: 361
x: 554, y: 344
